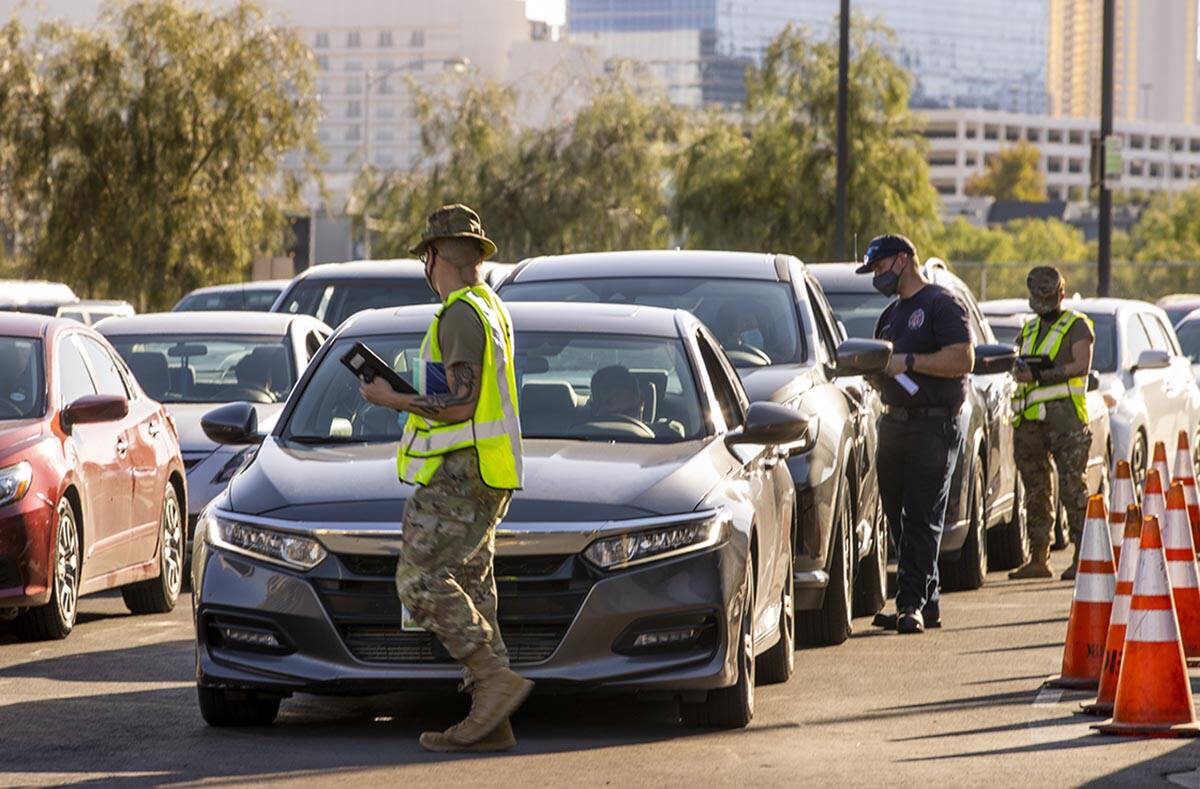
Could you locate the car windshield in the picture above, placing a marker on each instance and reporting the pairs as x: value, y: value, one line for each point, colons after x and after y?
x: 858, y: 312
x: 1175, y: 314
x: 1104, y: 354
x: 335, y: 301
x: 206, y: 368
x: 22, y: 385
x: 585, y: 387
x: 1189, y: 338
x: 248, y: 300
x: 1005, y: 332
x: 754, y: 320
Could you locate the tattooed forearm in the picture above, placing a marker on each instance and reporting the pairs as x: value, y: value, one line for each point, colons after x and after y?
x: 458, y: 404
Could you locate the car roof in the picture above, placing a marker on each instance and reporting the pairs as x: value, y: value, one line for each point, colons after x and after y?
x: 1175, y: 299
x: 633, y: 319
x: 399, y: 268
x: 29, y: 291
x: 840, y: 278
x: 994, y: 308
x: 1111, y: 306
x: 215, y: 322
x: 704, y: 264
x: 234, y: 287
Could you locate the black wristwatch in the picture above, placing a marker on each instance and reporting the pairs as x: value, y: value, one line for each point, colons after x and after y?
x: 908, y: 363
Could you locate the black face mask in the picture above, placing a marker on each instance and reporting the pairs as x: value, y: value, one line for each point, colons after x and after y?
x: 887, y: 282
x: 429, y: 257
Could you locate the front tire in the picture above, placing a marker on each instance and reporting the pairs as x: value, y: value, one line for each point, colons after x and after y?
x: 1009, y: 546
x: 56, y: 619
x: 158, y: 595
x: 871, y: 586
x: 776, y: 665
x: 969, y: 570
x: 831, y: 625
x: 732, y: 707
x: 222, y: 707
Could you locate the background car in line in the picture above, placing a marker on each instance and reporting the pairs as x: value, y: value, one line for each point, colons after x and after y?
x: 236, y: 297
x: 91, y: 311
x: 191, y: 361
x: 332, y: 292
x: 1006, y: 317
x: 1145, y: 379
x: 1178, y: 305
x: 1188, y: 333
x: 773, y: 321
x: 644, y: 552
x: 39, y: 296
x: 985, y: 518
x: 91, y: 481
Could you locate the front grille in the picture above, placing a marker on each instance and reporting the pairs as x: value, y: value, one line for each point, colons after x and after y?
x: 10, y: 575
x: 381, y: 566
x: 535, y: 608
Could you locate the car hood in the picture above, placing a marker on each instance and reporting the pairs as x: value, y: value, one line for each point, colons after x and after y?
x: 187, y: 418
x: 778, y: 383
x: 17, y: 435
x: 569, y: 481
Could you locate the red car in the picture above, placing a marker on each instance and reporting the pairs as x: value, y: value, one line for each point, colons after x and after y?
x: 92, y: 485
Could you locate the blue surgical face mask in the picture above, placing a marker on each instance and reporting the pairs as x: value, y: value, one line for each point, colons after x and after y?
x: 753, y: 338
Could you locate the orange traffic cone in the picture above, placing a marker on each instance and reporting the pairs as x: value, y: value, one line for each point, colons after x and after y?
x: 1164, y: 471
x: 1114, y: 644
x: 1185, y: 472
x: 1154, y: 500
x: 1154, y: 695
x: 1122, y: 497
x: 1091, y: 609
x: 1181, y: 569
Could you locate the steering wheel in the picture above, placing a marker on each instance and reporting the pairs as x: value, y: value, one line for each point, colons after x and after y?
x: 250, y: 394
x: 12, y: 409
x: 602, y: 425
x: 748, y: 356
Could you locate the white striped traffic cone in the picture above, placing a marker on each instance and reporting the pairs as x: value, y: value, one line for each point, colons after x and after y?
x: 1164, y: 471
x: 1114, y: 643
x: 1154, y: 498
x: 1122, y: 496
x: 1181, y: 569
x: 1185, y: 472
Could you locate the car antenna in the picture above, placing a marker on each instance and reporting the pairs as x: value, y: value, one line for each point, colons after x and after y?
x: 856, y: 247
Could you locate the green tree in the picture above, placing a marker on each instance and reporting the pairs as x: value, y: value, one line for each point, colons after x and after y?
x: 1011, y: 175
x: 962, y: 241
x: 766, y: 181
x: 592, y: 181
x: 144, y: 157
x: 1046, y: 241
x: 1169, y: 229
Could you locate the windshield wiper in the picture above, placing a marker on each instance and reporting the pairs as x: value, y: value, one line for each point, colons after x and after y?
x: 324, y: 439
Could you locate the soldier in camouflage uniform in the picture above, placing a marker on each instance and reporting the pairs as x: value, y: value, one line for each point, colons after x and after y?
x: 1050, y: 413
x: 462, y: 451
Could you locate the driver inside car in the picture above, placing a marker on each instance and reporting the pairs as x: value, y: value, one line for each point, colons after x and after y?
x: 617, y: 393
x: 17, y: 387
x: 741, y: 331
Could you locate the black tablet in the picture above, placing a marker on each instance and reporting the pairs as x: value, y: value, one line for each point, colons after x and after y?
x: 366, y: 365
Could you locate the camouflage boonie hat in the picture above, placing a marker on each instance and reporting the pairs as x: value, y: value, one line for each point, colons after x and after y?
x: 1046, y: 287
x: 454, y: 221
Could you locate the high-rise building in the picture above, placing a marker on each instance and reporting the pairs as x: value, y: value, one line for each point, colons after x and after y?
x: 1154, y: 59
x: 963, y: 53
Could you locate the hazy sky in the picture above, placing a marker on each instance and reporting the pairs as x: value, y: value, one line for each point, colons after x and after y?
x: 552, y: 11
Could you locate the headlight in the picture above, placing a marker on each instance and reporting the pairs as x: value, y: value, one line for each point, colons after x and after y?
x: 625, y: 550
x: 291, y: 550
x: 15, y: 481
x: 235, y: 464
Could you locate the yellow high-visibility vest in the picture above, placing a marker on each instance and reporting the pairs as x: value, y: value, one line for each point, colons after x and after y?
x: 1029, y: 401
x: 495, y: 429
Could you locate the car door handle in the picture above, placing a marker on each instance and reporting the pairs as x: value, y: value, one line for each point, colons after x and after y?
x: 773, y: 457
x: 122, y: 446
x: 153, y: 429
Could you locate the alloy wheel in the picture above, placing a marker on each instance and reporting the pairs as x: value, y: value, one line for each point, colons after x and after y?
x: 172, y: 542
x: 848, y: 557
x: 66, y: 569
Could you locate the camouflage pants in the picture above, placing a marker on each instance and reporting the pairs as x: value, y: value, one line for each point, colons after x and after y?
x: 444, y: 576
x: 1062, y: 437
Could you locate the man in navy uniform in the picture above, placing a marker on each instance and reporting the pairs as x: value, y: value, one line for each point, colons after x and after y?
x: 919, y: 433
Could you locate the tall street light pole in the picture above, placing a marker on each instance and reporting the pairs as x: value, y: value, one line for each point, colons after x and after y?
x: 455, y: 64
x: 843, y: 165
x: 1104, y: 256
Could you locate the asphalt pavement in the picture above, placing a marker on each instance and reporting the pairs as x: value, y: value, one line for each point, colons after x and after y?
x: 114, y: 704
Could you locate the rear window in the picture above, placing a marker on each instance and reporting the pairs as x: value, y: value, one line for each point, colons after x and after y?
x: 198, y: 368
x: 335, y: 301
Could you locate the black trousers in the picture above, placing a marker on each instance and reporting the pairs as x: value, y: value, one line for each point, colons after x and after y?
x: 916, y: 460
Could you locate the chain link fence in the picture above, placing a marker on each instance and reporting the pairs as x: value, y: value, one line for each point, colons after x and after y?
x: 1146, y: 281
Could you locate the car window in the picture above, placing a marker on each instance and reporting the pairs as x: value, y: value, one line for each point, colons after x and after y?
x: 207, y: 368
x: 251, y: 299
x: 74, y: 380
x: 1136, y: 338
x: 1104, y: 354
x: 22, y: 388
x: 334, y: 302
x: 719, y: 377
x: 1189, y: 338
x: 858, y: 311
x: 109, y: 380
x: 1161, y: 335
x: 754, y: 320
x: 822, y: 316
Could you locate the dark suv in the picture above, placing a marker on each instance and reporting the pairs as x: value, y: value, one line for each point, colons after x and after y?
x: 775, y: 325
x: 985, y: 519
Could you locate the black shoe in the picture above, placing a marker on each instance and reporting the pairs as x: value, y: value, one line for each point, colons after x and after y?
x: 910, y: 622
x: 932, y: 620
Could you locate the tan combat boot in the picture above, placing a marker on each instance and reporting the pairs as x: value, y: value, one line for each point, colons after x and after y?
x: 1069, y: 573
x: 497, y: 693
x: 501, y: 738
x: 1038, y: 565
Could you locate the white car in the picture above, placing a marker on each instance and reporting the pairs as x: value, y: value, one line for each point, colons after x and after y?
x: 1188, y: 332
x: 1145, y: 378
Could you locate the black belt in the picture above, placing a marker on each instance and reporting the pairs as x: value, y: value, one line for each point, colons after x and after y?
x: 918, y: 412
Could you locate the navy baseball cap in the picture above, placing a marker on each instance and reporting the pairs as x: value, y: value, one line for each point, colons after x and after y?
x: 884, y: 247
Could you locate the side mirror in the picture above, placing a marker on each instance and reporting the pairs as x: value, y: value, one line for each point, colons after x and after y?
x: 1152, y: 360
x: 994, y: 358
x: 862, y: 357
x: 1093, y: 382
x: 93, y: 408
x: 236, y: 423
x: 770, y: 423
